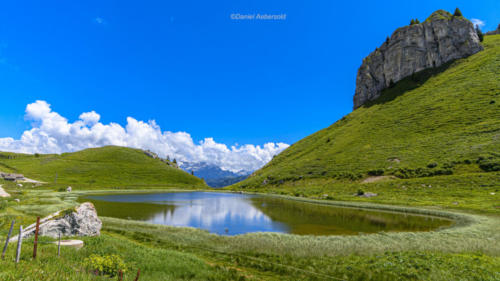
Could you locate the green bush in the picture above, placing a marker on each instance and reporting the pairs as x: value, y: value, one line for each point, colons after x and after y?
x: 489, y: 164
x: 432, y: 165
x: 407, y: 173
x: 479, y: 33
x: 376, y: 172
x: 105, y: 265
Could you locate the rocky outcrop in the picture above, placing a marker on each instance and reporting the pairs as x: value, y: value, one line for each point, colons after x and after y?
x: 440, y: 39
x: 81, y: 221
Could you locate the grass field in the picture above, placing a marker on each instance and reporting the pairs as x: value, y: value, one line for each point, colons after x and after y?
x: 171, y: 253
x: 97, y: 168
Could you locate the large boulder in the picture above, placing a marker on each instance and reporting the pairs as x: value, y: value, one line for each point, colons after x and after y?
x: 440, y: 39
x: 80, y: 221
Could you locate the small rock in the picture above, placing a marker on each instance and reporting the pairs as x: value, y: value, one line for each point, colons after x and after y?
x: 492, y: 193
x: 77, y: 244
x: 455, y: 203
x: 325, y: 195
x: 17, y: 200
x: 368, y: 194
x: 19, y: 185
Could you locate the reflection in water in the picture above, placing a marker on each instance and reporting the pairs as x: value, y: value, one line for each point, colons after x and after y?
x: 231, y: 214
x: 219, y: 213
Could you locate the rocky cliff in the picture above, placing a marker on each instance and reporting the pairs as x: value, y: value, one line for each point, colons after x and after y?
x: 440, y: 39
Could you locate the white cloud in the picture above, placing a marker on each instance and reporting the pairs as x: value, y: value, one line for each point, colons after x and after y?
x: 99, y: 20
x: 90, y: 118
x: 52, y: 133
x: 477, y: 22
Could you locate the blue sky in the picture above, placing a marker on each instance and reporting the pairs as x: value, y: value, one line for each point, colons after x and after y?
x: 191, y: 68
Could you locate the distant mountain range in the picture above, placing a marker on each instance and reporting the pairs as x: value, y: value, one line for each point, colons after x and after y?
x: 213, y: 175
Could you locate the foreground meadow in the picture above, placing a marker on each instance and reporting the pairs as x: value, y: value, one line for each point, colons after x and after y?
x: 468, y: 249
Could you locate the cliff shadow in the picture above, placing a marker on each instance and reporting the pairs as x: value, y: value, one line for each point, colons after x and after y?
x: 407, y: 84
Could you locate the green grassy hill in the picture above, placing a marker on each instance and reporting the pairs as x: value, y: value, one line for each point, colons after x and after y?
x: 104, y: 167
x: 442, y: 121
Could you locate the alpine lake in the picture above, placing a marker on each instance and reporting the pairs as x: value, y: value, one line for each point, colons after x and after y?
x: 233, y: 214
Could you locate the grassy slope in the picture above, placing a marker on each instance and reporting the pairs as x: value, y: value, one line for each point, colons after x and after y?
x: 449, y: 116
x: 105, y: 167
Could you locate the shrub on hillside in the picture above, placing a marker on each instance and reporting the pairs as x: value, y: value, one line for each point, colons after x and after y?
x: 406, y: 173
x: 348, y: 176
x: 108, y: 265
x: 479, y: 33
x: 376, y: 172
x: 489, y: 164
x: 432, y: 165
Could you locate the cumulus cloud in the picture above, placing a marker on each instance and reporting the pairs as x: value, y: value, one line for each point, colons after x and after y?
x: 477, y: 22
x: 90, y: 118
x: 53, y: 133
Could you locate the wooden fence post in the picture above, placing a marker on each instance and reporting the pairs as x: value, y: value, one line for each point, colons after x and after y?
x: 138, y: 273
x: 59, y: 246
x: 8, y: 238
x: 19, y: 242
x: 35, y: 245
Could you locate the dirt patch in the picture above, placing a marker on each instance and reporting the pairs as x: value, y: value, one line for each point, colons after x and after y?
x: 395, y: 160
x: 32, y: 181
x: 3, y: 193
x: 376, y: 178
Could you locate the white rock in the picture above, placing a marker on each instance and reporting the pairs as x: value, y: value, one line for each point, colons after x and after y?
x: 83, y: 221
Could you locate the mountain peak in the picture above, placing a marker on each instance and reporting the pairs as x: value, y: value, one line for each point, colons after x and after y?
x: 414, y: 48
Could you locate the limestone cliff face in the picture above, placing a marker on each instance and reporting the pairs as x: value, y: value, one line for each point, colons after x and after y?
x: 440, y: 39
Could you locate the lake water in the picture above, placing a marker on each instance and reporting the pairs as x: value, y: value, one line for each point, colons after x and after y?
x: 232, y: 214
